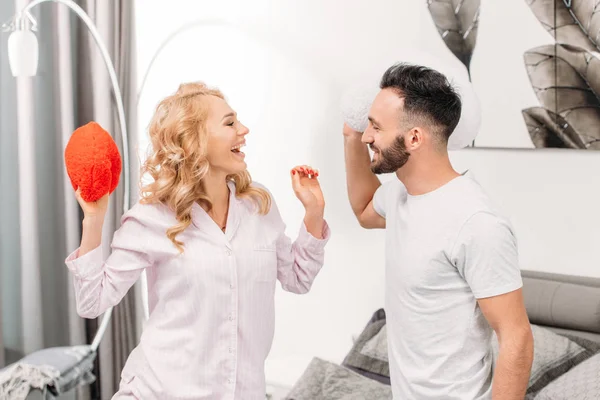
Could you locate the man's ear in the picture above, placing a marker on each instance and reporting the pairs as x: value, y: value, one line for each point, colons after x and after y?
x: 414, y: 138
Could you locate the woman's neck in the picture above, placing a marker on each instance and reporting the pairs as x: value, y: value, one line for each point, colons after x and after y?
x: 216, y: 189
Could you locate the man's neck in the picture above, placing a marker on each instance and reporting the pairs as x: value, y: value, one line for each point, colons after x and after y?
x: 424, y: 176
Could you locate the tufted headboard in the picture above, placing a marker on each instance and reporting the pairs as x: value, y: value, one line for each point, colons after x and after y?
x: 563, y: 303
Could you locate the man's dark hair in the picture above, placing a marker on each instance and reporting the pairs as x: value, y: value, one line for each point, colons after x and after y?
x: 428, y: 96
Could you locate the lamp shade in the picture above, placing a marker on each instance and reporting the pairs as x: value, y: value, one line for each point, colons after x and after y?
x: 23, y: 52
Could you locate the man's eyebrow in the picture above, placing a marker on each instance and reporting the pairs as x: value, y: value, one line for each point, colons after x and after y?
x: 373, y: 120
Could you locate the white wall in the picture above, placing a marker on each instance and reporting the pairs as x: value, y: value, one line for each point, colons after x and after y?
x: 283, y: 64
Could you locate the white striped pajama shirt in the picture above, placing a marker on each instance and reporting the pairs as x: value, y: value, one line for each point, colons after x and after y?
x: 211, y: 308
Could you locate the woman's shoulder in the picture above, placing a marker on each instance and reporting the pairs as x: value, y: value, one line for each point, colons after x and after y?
x: 252, y: 201
x: 259, y: 185
x: 150, y: 215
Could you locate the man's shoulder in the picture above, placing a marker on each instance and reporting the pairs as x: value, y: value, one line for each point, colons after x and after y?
x: 474, y: 213
x: 474, y: 199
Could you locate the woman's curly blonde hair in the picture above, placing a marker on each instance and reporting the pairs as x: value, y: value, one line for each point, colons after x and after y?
x: 178, y: 162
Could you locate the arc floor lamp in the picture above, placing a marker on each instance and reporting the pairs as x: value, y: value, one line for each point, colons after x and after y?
x: 23, y: 59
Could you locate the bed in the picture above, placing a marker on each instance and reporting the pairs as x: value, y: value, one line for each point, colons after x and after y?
x: 565, y: 315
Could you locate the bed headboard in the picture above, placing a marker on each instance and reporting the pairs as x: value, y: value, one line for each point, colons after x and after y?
x: 563, y: 303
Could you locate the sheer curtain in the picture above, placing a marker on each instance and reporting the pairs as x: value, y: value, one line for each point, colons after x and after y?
x: 40, y: 217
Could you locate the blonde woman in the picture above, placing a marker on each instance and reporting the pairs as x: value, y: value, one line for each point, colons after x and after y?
x: 212, y: 243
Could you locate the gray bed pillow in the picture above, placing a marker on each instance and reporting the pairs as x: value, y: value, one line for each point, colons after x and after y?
x: 553, y: 355
x: 580, y: 383
x: 376, y: 347
x: 368, y: 356
x: 323, y: 380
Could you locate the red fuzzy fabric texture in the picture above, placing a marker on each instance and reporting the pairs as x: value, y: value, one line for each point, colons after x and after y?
x: 93, y: 161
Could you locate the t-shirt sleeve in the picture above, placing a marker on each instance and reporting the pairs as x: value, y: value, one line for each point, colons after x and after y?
x: 486, y: 256
x: 380, y: 198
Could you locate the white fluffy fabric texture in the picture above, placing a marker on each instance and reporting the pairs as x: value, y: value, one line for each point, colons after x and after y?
x: 355, y: 105
x: 17, y: 380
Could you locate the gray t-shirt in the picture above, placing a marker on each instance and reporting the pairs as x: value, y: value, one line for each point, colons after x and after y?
x: 444, y: 250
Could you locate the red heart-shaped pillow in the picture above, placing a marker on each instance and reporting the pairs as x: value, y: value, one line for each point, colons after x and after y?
x: 93, y: 161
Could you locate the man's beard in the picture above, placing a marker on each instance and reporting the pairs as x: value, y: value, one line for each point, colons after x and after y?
x: 392, y: 158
